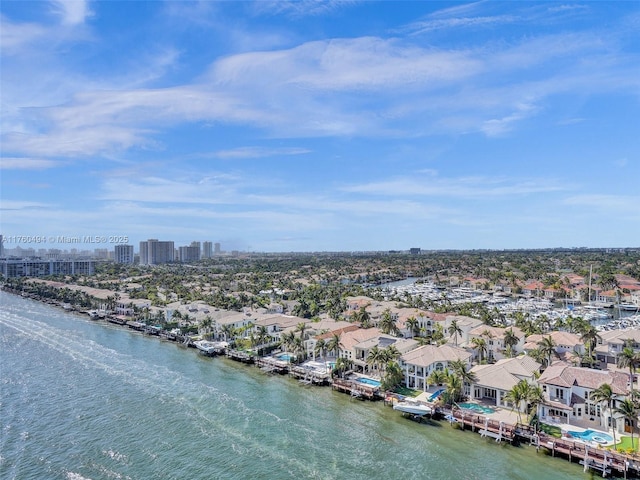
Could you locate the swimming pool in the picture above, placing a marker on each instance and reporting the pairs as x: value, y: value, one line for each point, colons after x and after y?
x: 436, y: 394
x: 369, y: 381
x: 285, y: 357
x: 477, y: 408
x: 591, y: 436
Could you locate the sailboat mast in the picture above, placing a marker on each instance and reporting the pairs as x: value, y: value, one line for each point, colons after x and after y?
x: 590, y: 273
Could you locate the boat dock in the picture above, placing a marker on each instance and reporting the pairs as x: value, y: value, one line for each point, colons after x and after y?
x: 272, y: 365
x: 309, y: 375
x: 241, y: 356
x: 601, y: 460
x: 485, y: 426
x: 356, y: 389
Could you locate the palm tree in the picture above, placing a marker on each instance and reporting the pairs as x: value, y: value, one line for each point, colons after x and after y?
x: 547, y: 349
x: 437, y: 336
x: 342, y: 365
x: 454, y: 330
x: 393, y: 376
x: 320, y: 348
x: 387, y: 324
x: 517, y: 395
x: 375, y: 357
x: 263, y: 335
x: 363, y: 317
x: 205, y: 325
x: 298, y: 347
x: 437, y: 377
x: 333, y: 345
x: 228, y: 331
x: 590, y: 337
x: 510, y: 341
x: 413, y: 325
x: 480, y: 344
x: 302, y: 327
x: 287, y: 339
x: 628, y: 409
x: 459, y: 369
x: 630, y: 359
x: 605, y: 396
x: 486, y: 333
x: 454, y: 388
x: 524, y: 393
x: 535, y: 397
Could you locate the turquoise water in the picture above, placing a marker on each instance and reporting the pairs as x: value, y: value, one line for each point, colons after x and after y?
x: 81, y: 399
x: 369, y: 381
x: 477, y: 408
x: 285, y: 357
x: 592, y: 435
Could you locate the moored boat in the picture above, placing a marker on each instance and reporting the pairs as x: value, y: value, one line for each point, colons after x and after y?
x: 413, y: 407
x: 210, y: 348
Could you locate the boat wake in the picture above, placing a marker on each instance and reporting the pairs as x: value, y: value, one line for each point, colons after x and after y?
x: 211, y: 412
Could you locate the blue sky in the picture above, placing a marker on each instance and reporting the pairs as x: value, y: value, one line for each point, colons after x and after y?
x: 323, y: 126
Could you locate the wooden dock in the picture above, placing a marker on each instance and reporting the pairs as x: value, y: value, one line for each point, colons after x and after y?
x: 309, y: 376
x: 356, y: 389
x: 241, y: 356
x: 485, y: 426
x: 601, y: 460
x: 271, y: 365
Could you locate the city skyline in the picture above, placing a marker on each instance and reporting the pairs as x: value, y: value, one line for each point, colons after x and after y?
x: 321, y: 126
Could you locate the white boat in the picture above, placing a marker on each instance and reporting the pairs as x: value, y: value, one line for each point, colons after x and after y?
x: 628, y: 307
x: 210, y: 348
x: 413, y: 407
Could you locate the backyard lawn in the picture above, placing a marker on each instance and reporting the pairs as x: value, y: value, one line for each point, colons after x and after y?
x: 625, y: 445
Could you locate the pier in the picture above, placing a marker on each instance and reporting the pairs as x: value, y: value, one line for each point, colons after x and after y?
x: 483, y: 425
x: 272, y: 365
x: 308, y: 375
x: 241, y: 356
x: 601, y: 460
x: 356, y: 389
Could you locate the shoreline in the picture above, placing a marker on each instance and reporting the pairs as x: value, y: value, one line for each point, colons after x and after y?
x: 596, y: 459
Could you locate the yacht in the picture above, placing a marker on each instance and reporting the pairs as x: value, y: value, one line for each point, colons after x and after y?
x: 628, y: 307
x: 210, y: 348
x: 413, y: 407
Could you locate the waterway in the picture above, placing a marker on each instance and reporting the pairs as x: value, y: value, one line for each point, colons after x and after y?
x: 81, y: 399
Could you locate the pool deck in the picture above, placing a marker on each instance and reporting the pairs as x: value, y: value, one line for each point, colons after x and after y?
x: 357, y: 389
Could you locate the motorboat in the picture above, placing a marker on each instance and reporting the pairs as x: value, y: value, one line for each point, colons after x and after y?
x: 210, y: 348
x: 628, y: 307
x: 413, y: 407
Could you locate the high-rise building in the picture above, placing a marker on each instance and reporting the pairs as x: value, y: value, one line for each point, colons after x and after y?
x: 195, y: 244
x: 156, y: 252
x: 189, y: 254
x: 36, y: 267
x: 123, y: 254
x: 207, y: 250
x: 216, y: 248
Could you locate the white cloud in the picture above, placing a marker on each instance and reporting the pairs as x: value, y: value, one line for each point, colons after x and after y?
x: 72, y: 12
x: 300, y: 8
x: 614, y: 205
x: 14, y: 36
x: 459, y: 23
x: 258, y: 152
x: 18, y: 163
x: 463, y: 187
